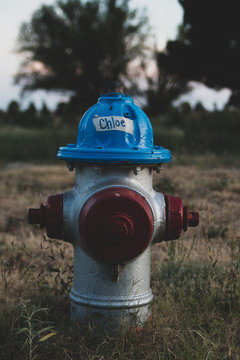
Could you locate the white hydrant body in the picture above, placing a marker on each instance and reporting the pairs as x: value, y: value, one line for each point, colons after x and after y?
x: 103, y: 292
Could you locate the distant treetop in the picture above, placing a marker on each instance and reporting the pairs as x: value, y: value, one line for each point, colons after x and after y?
x: 76, y: 46
x: 208, y: 45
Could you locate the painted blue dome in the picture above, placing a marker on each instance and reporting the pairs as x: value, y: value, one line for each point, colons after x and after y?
x: 115, y: 130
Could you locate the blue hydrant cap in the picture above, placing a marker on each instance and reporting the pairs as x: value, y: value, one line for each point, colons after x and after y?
x: 115, y: 130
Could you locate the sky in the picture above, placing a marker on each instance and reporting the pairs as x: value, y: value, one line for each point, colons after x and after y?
x: 164, y: 18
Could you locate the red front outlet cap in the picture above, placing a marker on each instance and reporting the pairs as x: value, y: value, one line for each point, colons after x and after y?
x: 178, y: 218
x: 116, y: 224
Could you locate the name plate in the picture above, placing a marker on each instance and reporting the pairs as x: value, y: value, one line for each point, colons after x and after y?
x: 111, y: 123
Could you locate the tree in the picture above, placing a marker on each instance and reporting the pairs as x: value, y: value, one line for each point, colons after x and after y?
x: 199, y: 107
x: 45, y: 116
x: 208, y: 45
x: 76, y: 46
x: 13, y: 108
x: 185, y: 108
x: 31, y: 111
x: 61, y: 109
x: 44, y: 111
x: 234, y: 101
x: 164, y: 90
x: 13, y: 113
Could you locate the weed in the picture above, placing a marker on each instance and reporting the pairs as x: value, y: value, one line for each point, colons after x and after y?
x: 177, y: 250
x: 3, y: 269
x: 32, y: 328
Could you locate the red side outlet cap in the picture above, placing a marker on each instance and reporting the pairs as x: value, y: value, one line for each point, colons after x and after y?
x: 49, y: 216
x: 178, y: 218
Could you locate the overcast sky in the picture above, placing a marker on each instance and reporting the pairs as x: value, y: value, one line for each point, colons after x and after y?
x: 164, y: 17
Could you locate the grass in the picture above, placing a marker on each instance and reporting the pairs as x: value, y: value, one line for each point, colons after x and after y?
x: 33, y: 145
x: 195, y: 312
x: 194, y: 317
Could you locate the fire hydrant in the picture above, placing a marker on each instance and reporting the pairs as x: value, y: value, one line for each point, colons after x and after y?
x: 113, y: 216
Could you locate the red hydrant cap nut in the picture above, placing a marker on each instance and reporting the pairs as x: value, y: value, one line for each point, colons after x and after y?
x: 119, y: 227
x: 193, y: 218
x: 116, y: 224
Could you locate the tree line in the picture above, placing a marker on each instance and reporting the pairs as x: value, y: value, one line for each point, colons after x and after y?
x: 64, y: 114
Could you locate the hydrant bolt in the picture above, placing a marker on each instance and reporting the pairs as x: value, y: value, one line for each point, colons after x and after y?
x: 193, y: 218
x: 189, y: 218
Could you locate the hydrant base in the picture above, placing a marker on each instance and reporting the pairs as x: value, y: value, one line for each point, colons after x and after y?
x: 110, y: 319
x: 105, y: 300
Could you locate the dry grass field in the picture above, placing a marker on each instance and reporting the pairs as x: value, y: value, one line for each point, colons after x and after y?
x: 196, y: 311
